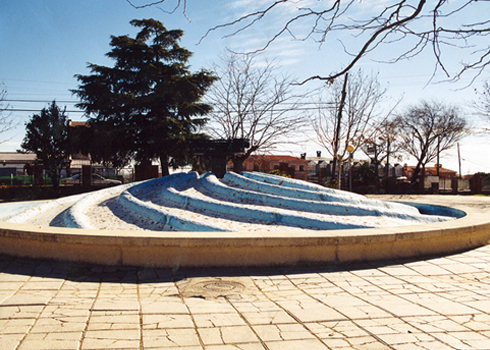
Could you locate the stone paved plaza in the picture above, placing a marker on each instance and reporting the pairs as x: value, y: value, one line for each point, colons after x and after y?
x: 438, y: 302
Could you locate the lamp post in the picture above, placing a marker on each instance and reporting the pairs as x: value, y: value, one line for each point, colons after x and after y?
x: 350, y: 149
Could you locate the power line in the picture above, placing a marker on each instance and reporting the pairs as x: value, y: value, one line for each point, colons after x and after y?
x: 36, y: 110
x: 40, y: 101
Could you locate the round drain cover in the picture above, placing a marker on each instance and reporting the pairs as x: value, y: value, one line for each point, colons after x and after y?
x: 220, y: 286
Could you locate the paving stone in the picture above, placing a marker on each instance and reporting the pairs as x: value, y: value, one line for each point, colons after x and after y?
x: 282, y: 332
x: 164, y: 307
x: 247, y: 346
x: 310, y: 311
x: 218, y: 320
x: 163, y: 338
x: 237, y: 335
x: 42, y: 344
x: 396, y: 305
x: 167, y: 321
x: 98, y: 343
x: 440, y: 305
x: 310, y: 344
x: 268, y: 317
x: 10, y: 341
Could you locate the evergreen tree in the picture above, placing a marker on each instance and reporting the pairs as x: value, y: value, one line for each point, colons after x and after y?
x: 148, y: 105
x: 47, y: 136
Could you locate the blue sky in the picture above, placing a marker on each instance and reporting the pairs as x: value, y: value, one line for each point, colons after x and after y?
x: 43, y: 44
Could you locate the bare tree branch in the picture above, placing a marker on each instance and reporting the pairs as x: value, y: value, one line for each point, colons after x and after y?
x: 482, y: 106
x: 7, y: 122
x: 364, y: 96
x: 182, y: 3
x: 430, y: 129
x: 438, y: 25
x: 252, y: 101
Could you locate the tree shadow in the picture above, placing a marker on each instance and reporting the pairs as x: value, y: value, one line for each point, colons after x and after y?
x: 84, y: 272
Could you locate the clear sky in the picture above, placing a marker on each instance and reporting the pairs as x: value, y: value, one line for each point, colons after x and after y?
x: 43, y: 44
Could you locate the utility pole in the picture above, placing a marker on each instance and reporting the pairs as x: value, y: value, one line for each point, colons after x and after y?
x: 438, y: 151
x: 459, y: 160
x: 337, y: 132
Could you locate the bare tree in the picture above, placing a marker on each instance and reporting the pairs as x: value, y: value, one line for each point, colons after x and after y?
x: 344, y: 119
x: 483, y: 104
x: 252, y: 101
x: 6, y: 119
x: 383, y: 143
x: 428, y: 130
x: 411, y: 26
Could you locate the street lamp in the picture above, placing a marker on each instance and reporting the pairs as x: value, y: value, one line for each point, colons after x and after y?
x: 350, y: 149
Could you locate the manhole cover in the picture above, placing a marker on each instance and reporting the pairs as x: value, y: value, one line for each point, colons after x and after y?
x: 212, y: 288
x: 220, y: 286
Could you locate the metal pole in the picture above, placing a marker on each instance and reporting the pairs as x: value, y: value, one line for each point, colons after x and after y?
x: 337, y: 132
x: 350, y: 170
x: 459, y: 160
x: 438, y: 150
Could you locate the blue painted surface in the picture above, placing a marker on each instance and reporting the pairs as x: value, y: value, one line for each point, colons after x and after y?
x: 13, y: 208
x: 260, y: 198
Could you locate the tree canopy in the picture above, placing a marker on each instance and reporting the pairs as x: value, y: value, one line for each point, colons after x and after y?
x: 148, y: 105
x: 47, y: 136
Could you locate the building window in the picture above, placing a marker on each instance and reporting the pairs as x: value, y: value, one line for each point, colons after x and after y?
x: 301, y: 168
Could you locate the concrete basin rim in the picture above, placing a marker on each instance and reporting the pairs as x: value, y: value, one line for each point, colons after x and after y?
x: 468, y: 220
x: 226, y: 249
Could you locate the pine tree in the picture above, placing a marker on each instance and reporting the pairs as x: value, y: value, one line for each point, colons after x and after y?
x: 47, y: 136
x: 148, y: 105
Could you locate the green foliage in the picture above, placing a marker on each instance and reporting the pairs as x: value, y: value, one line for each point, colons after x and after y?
x: 331, y: 183
x: 148, y: 106
x: 16, y: 180
x: 364, y: 178
x: 47, y: 136
x: 279, y: 173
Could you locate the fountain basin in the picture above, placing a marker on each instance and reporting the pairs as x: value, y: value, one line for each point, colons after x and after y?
x: 250, y: 248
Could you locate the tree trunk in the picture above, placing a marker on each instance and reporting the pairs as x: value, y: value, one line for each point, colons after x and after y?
x: 164, y: 165
x: 238, y: 163
x: 334, y: 167
x: 416, y: 173
x: 55, y: 180
x: 240, y: 158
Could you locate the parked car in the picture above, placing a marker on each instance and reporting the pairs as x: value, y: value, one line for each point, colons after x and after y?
x: 96, y: 180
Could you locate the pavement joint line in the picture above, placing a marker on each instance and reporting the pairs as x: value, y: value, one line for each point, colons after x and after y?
x: 193, y: 320
x: 340, y: 312
x: 87, y: 322
x: 140, y: 315
x: 393, y: 314
x: 247, y: 323
x: 38, y: 315
x: 20, y: 305
x: 292, y: 315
